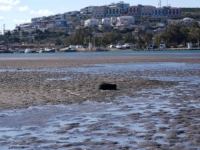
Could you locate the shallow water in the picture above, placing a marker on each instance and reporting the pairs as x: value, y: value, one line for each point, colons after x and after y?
x: 119, y: 66
x: 123, y: 121
x: 158, y: 118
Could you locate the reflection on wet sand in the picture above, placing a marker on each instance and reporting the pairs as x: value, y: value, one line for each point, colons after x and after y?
x: 155, y: 107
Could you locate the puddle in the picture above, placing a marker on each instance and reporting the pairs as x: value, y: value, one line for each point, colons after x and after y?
x: 58, y: 79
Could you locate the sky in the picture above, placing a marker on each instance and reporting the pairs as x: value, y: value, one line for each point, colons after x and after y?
x: 15, y: 12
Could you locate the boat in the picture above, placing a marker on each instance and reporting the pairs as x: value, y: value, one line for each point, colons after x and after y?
x: 119, y: 46
x: 126, y: 46
x: 189, y: 45
x: 28, y: 50
x: 162, y: 46
x: 67, y: 49
x: 47, y: 50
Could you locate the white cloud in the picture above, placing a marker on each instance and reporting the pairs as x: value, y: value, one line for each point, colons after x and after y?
x: 1, y: 18
x: 10, y: 2
x: 41, y: 12
x: 23, y: 8
x: 21, y: 21
x: 5, y: 8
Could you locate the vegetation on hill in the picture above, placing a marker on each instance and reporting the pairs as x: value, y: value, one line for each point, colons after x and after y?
x: 191, y: 13
x: 178, y: 35
x: 194, y: 10
x: 172, y: 36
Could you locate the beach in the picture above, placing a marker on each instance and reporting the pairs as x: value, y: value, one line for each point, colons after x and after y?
x: 26, y: 79
x: 155, y: 106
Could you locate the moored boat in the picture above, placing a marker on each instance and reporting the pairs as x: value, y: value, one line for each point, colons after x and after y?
x: 28, y: 50
x: 47, y: 50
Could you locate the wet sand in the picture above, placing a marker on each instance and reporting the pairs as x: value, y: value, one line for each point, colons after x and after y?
x: 21, y: 87
x: 150, y: 109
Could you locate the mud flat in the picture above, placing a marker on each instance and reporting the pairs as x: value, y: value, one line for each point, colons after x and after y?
x: 53, y: 103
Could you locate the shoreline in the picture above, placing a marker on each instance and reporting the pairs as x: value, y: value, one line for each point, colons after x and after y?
x: 103, y: 50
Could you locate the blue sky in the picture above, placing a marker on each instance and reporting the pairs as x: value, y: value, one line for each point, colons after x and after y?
x: 13, y: 12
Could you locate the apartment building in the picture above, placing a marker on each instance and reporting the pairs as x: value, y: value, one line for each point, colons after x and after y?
x: 59, y: 17
x: 110, y: 15
x: 173, y: 12
x: 159, y: 12
x: 87, y: 10
x: 113, y: 11
x: 60, y: 23
x: 167, y: 11
x: 72, y: 14
x: 124, y: 6
x: 100, y: 12
x: 141, y: 10
x: 146, y: 10
x: 133, y: 11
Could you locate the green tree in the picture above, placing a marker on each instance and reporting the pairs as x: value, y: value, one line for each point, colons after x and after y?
x: 140, y: 43
x: 129, y: 38
x: 58, y: 42
x: 148, y: 37
x: 194, y: 34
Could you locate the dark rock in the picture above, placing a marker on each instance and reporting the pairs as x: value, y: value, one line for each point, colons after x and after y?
x: 107, y: 86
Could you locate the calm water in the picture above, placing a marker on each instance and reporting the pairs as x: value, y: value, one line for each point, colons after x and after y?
x: 81, y: 54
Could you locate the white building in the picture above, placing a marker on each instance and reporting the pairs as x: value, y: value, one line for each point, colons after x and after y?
x: 88, y: 10
x: 126, y: 19
x: 91, y: 22
x: 106, y: 21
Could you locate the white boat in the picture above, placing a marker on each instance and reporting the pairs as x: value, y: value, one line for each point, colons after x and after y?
x: 189, y: 45
x: 28, y: 50
x: 126, y: 46
x: 162, y: 46
x: 47, y: 50
x: 119, y: 46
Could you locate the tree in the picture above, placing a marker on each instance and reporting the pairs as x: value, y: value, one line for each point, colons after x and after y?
x: 172, y: 36
x: 129, y: 38
x: 184, y: 33
x: 148, y: 37
x: 157, y: 39
x: 140, y: 43
x: 194, y: 34
x: 58, y: 42
x: 80, y: 37
x: 194, y: 25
